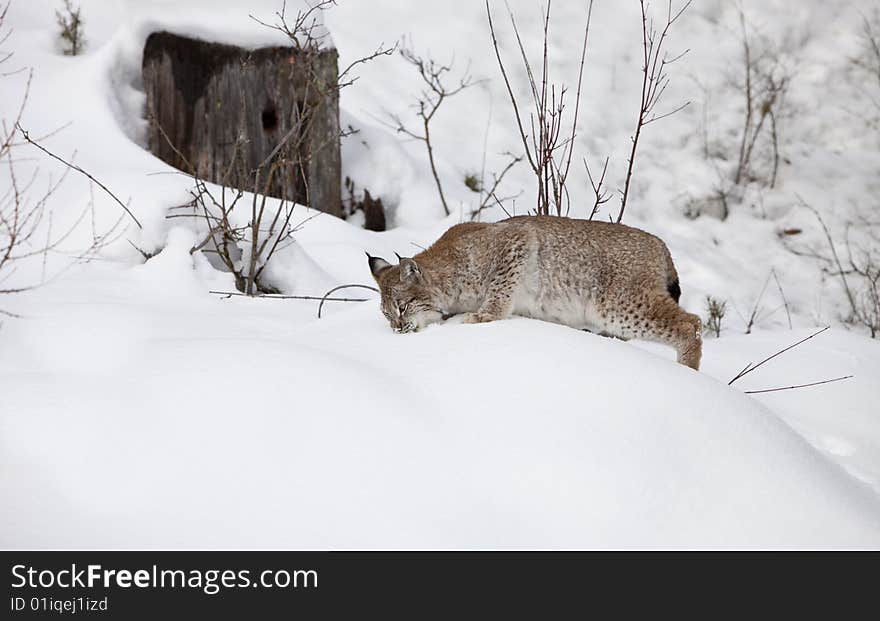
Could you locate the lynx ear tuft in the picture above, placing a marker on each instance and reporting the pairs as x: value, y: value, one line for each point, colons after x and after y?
x: 409, y: 270
x: 377, y: 264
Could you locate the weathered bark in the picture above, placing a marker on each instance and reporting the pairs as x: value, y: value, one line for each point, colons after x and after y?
x: 223, y: 109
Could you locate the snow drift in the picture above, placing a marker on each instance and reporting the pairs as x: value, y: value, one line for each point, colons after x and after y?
x: 139, y: 410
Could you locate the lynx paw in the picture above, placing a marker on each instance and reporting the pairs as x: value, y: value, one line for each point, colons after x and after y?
x: 476, y: 318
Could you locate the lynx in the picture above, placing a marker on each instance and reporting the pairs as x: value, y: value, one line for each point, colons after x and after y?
x: 606, y: 278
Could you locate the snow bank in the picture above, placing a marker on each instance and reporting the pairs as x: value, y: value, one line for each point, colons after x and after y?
x: 131, y: 420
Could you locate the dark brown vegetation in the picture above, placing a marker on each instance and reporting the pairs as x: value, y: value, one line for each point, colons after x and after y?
x: 70, y: 22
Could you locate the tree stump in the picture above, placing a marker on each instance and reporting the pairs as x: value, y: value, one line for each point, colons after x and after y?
x: 218, y: 111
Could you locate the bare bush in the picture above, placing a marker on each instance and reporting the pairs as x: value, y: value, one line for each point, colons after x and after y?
x: 433, y: 75
x: 488, y: 193
x: 766, y: 80
x: 867, y: 64
x: 29, y: 233
x: 858, y: 270
x: 5, y: 33
x: 870, y: 36
x: 867, y: 301
x: 863, y: 259
x: 750, y: 151
x: 244, y: 247
x: 759, y: 312
x: 231, y: 242
x: 655, y: 79
x: 715, y: 310
x: 548, y: 146
x: 71, y: 24
x: 436, y: 91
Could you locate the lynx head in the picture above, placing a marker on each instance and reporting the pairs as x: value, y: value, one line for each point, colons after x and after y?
x: 407, y: 301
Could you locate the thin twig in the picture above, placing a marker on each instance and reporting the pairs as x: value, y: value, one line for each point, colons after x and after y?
x: 750, y: 367
x: 753, y: 318
x: 500, y: 203
x: 274, y: 296
x: 602, y: 196
x: 836, y: 379
x: 497, y: 178
x: 334, y: 289
x: 782, y: 293
x: 849, y: 294
x: 27, y: 139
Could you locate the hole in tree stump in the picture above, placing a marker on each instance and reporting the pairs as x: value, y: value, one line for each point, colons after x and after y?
x: 269, y: 118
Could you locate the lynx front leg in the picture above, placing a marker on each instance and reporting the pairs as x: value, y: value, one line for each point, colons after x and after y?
x: 508, y: 270
x: 484, y: 316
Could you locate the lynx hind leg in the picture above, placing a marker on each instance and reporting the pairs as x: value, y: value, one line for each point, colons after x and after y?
x: 657, y: 317
x: 690, y: 344
x: 671, y: 324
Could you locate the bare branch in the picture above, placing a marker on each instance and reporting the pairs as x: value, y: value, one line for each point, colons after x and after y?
x: 548, y: 147
x: 602, y: 196
x: 381, y: 50
x: 275, y: 296
x: 428, y: 103
x: 497, y: 178
x: 27, y: 139
x: 828, y: 381
x: 842, y: 273
x: 782, y: 294
x: 654, y: 83
x: 751, y: 367
x: 340, y: 287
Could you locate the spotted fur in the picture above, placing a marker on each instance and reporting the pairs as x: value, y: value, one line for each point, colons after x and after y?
x: 607, y: 278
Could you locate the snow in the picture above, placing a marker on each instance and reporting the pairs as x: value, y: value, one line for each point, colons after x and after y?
x: 199, y: 422
x: 139, y: 410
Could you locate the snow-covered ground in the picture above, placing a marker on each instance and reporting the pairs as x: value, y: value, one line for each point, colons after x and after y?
x: 139, y: 410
